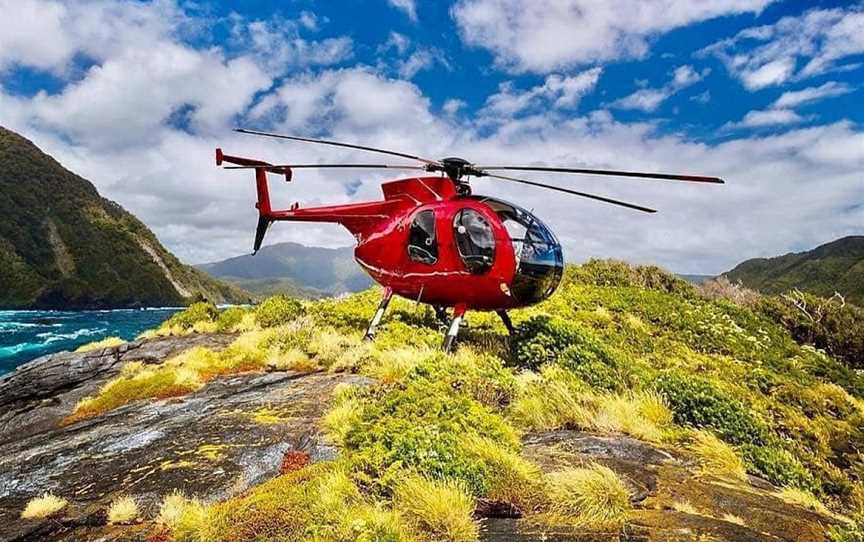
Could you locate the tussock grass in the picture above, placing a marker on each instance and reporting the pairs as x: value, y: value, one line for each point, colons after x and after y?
x: 591, y: 496
x: 732, y: 518
x: 716, y: 457
x: 123, y: 510
x: 555, y: 399
x: 43, y: 506
x: 107, y: 342
x: 514, y: 480
x: 391, y: 366
x: 803, y: 498
x: 341, y: 419
x: 442, y: 508
x: 173, y: 507
x: 685, y: 507
x: 558, y: 399
x: 316, y: 502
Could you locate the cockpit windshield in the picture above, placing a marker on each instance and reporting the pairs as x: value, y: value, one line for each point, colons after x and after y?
x: 539, y: 258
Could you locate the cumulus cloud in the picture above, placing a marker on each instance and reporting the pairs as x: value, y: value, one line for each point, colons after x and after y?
x: 794, y: 48
x: 812, y: 94
x: 768, y: 117
x: 557, y: 90
x: 800, y: 181
x: 649, y: 99
x: 409, y: 7
x: 548, y: 35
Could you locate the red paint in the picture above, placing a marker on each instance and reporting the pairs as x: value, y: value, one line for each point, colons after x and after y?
x: 382, y: 229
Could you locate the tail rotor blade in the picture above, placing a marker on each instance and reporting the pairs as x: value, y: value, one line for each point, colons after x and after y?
x: 609, y: 172
x: 336, y: 144
x: 576, y: 193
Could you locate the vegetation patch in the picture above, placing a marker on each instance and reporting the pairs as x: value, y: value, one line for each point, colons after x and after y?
x: 43, y: 506
x: 123, y: 511
x: 108, y: 342
x: 590, y: 496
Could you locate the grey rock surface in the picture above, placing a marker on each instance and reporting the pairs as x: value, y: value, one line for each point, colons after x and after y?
x: 212, y: 444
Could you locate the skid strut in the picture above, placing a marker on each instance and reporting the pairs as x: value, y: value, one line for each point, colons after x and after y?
x: 453, y: 331
x: 382, y: 307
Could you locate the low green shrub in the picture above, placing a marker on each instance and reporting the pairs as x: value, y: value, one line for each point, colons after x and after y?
x: 229, y: 318
x: 699, y: 402
x: 419, y: 425
x: 777, y: 465
x: 191, y: 315
x: 621, y: 274
x: 277, y: 310
x: 543, y: 339
x: 827, y: 324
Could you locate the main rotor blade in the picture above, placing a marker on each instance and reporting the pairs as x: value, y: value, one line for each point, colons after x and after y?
x: 335, y: 144
x: 323, y: 166
x: 575, y: 193
x: 639, y: 174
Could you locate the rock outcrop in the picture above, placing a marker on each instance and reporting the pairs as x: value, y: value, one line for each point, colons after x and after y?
x: 214, y: 443
x: 235, y: 432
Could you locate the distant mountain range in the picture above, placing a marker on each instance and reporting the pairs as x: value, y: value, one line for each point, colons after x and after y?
x: 837, y: 266
x: 63, y: 246
x: 294, y: 269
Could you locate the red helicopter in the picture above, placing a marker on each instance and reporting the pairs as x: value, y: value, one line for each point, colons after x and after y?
x: 431, y: 241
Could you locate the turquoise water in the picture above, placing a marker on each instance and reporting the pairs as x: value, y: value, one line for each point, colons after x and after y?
x: 25, y: 335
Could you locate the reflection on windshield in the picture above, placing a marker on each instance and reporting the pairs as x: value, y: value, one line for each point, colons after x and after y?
x: 539, y: 259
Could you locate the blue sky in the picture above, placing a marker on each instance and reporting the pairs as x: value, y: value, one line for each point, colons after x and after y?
x: 135, y: 95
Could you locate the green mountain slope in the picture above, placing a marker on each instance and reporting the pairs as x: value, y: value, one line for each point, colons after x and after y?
x: 294, y: 269
x: 62, y: 245
x: 837, y: 266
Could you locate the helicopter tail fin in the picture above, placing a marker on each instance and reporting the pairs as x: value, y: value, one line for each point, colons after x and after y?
x: 265, y: 212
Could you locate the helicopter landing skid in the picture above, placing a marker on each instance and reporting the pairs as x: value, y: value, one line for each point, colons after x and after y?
x: 379, y: 314
x: 453, y: 331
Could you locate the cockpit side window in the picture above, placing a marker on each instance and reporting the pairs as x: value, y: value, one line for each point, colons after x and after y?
x: 422, y: 243
x: 475, y: 240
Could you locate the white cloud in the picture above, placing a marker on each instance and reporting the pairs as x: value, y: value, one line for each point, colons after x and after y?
x: 558, y: 90
x: 277, y: 45
x: 649, y: 99
x: 397, y: 41
x: 407, y: 6
x: 453, y: 106
x: 111, y: 127
x: 794, y: 48
x: 768, y: 117
x: 547, y: 35
x: 812, y: 94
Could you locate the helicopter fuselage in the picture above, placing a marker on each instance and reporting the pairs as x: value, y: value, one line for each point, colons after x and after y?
x: 427, y: 243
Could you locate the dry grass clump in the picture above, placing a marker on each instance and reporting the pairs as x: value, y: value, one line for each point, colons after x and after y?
x: 43, y: 506
x: 803, y: 498
x: 514, y: 479
x: 107, y: 342
x: 176, y: 510
x: 685, y: 507
x: 591, y: 496
x: 344, y: 415
x: 123, y: 510
x: 389, y: 366
x: 642, y: 415
x: 552, y: 400
x: 558, y: 399
x: 716, y: 457
x: 177, y: 376
x: 442, y: 508
x: 732, y: 518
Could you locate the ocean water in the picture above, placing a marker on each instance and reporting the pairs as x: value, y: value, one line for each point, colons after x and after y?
x: 25, y: 335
